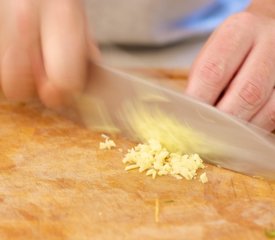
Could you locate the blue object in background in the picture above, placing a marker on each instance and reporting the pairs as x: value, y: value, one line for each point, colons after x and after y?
x: 207, y: 19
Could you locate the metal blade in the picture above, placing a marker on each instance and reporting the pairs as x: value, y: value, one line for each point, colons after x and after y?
x: 234, y: 144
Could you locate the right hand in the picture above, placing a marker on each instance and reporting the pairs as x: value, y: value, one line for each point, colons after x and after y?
x: 235, y: 70
x: 44, y: 49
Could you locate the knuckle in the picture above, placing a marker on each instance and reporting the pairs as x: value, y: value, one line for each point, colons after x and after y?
x: 211, y: 73
x: 252, y: 95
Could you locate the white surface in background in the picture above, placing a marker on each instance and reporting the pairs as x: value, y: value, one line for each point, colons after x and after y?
x: 143, y: 22
x: 180, y: 55
x: 156, y: 22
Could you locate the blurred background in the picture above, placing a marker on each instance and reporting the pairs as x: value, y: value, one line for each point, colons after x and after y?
x: 156, y: 33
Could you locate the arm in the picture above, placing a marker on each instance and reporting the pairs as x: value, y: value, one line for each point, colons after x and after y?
x: 235, y: 71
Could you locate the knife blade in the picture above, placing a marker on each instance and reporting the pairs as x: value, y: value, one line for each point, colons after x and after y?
x: 229, y: 142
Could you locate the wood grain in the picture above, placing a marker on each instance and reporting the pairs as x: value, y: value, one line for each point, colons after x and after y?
x: 55, y: 183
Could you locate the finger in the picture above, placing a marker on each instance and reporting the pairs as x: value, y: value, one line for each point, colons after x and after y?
x: 4, y: 29
x: 221, y: 58
x: 17, y: 78
x: 50, y: 95
x: 94, y: 52
x: 253, y: 85
x: 64, y: 46
x: 265, y: 118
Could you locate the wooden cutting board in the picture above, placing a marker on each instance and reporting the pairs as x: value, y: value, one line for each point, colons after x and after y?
x: 55, y: 183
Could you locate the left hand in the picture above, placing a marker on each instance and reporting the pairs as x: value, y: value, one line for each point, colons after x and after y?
x: 45, y: 47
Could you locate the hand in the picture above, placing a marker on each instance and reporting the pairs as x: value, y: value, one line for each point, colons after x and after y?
x: 44, y: 49
x: 235, y: 70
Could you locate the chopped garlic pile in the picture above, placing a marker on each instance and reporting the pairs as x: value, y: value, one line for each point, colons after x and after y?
x: 153, y: 158
x: 107, y: 144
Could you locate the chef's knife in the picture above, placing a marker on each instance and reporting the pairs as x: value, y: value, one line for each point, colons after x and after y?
x: 233, y: 144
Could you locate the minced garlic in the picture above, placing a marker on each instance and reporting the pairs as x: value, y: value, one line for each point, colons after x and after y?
x: 155, y: 160
x: 203, y: 178
x: 107, y: 144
